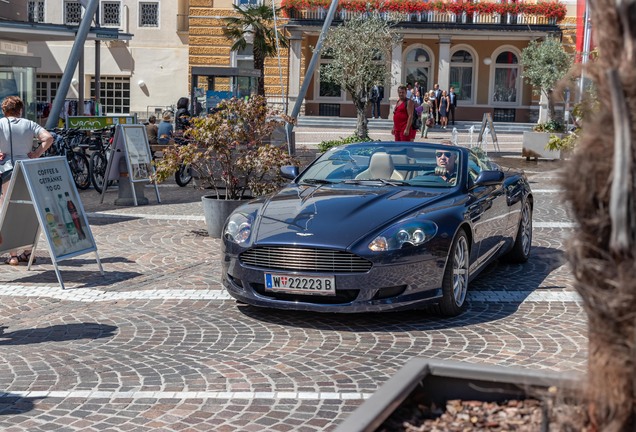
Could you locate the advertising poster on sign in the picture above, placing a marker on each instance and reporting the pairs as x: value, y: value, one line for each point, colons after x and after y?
x: 56, y: 198
x: 138, y: 151
x: 212, y: 99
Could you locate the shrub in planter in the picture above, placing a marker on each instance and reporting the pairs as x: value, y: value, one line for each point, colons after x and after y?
x: 550, y: 126
x: 326, y: 145
x: 228, y: 153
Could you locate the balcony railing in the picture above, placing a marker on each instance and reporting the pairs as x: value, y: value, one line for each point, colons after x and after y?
x: 431, y: 17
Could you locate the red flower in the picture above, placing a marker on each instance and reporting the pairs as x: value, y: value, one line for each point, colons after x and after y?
x: 549, y: 9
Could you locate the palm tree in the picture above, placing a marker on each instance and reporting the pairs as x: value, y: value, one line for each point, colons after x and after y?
x: 255, y: 21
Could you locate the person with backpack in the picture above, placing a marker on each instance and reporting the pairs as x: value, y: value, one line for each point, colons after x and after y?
x: 182, y: 116
x: 403, y: 115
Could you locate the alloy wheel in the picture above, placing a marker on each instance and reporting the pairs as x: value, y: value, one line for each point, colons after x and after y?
x: 460, y: 270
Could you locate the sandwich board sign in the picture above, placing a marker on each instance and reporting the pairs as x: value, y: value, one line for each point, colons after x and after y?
x: 488, y: 128
x: 42, y: 198
x: 130, y: 142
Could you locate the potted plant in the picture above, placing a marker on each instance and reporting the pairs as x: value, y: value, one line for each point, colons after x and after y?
x: 545, y: 64
x: 229, y: 154
x: 536, y: 142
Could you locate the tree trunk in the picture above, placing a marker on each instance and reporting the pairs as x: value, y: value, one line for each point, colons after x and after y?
x: 600, y: 187
x: 259, y: 63
x: 362, y: 125
x: 551, y: 109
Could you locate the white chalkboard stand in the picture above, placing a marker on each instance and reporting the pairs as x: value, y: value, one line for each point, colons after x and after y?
x: 38, y: 185
x: 131, y: 142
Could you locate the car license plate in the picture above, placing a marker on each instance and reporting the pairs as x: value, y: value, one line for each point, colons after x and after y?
x: 300, y: 284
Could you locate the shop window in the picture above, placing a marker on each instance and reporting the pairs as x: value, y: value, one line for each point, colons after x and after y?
x: 417, y: 67
x: 46, y: 87
x: 461, y: 74
x: 506, y: 83
x: 114, y: 94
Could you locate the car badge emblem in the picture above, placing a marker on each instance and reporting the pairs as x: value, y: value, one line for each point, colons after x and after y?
x: 304, y: 234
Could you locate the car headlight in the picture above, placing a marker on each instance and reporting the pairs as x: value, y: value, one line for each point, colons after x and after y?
x: 404, y: 234
x: 239, y: 227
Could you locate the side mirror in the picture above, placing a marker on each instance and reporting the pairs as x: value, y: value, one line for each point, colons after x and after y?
x: 489, y: 178
x: 289, y: 172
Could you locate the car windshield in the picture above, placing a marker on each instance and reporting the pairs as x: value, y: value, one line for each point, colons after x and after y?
x: 386, y: 164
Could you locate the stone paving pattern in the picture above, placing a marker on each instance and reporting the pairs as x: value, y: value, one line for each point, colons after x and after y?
x: 156, y: 344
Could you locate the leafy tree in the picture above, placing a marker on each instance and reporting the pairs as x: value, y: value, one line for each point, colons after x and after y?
x: 256, y: 21
x: 359, y: 49
x: 545, y: 63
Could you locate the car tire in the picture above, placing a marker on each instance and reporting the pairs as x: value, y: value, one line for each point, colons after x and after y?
x: 520, y: 251
x: 456, y: 275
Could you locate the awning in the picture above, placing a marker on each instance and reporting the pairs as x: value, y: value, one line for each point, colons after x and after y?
x: 31, y: 32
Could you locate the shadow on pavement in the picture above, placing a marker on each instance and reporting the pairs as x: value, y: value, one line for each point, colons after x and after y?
x: 498, y: 276
x: 57, y: 333
x: 86, y: 279
x: 11, y: 404
x: 521, y: 277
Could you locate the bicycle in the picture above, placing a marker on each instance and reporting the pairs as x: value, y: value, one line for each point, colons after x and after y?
x: 67, y: 142
x: 101, y: 145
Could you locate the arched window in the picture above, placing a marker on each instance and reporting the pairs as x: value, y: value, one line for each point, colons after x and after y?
x: 461, y: 74
x: 506, y: 84
x: 327, y: 89
x: 417, y: 67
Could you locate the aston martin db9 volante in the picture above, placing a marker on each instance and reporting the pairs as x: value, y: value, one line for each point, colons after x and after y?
x: 378, y: 226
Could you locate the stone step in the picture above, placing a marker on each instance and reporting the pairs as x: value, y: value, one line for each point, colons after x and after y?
x: 462, y: 126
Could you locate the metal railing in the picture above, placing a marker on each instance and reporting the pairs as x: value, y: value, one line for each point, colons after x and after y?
x: 431, y: 17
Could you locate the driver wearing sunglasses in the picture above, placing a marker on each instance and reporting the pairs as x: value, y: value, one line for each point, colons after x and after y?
x: 446, y: 167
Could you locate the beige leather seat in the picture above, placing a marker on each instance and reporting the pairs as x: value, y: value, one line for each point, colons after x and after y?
x: 380, y: 167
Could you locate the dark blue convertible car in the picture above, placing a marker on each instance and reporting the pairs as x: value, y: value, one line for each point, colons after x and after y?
x: 378, y: 226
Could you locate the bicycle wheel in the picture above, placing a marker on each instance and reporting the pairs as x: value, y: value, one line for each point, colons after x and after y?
x: 183, y: 176
x: 98, y: 170
x: 81, y: 170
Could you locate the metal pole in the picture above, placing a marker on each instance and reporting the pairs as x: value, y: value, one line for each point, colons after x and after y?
x: 78, y: 48
x: 80, y: 84
x: 310, y: 69
x: 98, y: 61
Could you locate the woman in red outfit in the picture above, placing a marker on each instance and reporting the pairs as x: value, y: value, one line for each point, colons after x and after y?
x: 403, y: 117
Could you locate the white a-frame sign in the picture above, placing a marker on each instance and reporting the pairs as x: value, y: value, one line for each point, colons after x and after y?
x: 42, y: 198
x: 131, y: 143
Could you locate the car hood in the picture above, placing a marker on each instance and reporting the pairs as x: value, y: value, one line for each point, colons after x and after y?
x: 335, y: 215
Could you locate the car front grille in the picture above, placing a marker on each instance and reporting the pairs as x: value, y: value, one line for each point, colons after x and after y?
x: 305, y: 259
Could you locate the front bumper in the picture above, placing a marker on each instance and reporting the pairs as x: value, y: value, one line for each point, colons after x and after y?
x: 384, y: 287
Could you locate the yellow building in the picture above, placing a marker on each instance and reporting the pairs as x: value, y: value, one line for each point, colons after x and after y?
x: 475, y: 47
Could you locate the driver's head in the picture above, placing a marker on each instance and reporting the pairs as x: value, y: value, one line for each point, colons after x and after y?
x: 446, y: 159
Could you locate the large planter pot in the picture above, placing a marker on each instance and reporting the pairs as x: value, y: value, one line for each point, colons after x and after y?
x: 439, y: 381
x: 216, y: 212
x: 534, y: 145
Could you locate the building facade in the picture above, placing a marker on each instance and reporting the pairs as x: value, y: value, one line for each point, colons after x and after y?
x: 478, y: 51
x: 143, y: 75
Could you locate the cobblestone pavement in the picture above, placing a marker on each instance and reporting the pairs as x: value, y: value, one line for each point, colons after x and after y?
x: 156, y: 343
